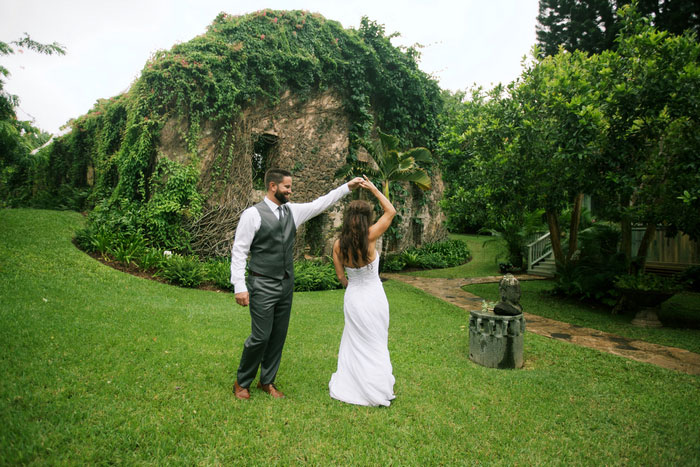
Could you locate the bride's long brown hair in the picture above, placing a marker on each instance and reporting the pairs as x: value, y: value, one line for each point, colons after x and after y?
x: 354, y: 237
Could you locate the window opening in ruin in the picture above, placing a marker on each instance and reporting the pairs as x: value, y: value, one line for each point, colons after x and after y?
x: 264, y: 149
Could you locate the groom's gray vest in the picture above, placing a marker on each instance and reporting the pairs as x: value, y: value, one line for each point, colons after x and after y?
x: 272, y: 249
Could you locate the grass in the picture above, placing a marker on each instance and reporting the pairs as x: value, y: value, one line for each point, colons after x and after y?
x: 102, y: 367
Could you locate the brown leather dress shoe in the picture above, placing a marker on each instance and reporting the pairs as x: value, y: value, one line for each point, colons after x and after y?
x: 241, y: 393
x: 271, y: 390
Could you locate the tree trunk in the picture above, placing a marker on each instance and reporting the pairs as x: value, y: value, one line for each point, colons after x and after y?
x: 555, y: 236
x: 643, y: 250
x: 575, y: 223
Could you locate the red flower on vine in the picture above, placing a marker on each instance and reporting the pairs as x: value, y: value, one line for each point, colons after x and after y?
x: 274, y: 20
x: 262, y: 36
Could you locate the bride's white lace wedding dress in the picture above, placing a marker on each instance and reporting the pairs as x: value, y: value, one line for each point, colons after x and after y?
x: 364, y: 375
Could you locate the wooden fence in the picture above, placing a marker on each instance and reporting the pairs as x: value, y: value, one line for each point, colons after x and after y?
x: 670, y: 253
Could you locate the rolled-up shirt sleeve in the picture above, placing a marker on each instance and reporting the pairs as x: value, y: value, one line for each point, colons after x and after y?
x: 302, y: 212
x: 248, y: 225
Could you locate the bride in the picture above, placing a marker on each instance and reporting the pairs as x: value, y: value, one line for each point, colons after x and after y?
x: 364, y: 375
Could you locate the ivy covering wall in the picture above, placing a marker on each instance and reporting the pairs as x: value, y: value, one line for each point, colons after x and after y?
x: 108, y: 163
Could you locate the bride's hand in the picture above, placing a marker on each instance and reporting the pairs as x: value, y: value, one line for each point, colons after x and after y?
x: 367, y: 184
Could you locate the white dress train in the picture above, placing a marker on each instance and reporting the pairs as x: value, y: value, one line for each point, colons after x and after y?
x: 364, y: 375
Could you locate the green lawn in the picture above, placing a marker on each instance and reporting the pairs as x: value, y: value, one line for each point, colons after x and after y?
x: 103, y: 367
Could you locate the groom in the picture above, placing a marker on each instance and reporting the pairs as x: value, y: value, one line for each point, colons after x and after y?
x: 266, y: 231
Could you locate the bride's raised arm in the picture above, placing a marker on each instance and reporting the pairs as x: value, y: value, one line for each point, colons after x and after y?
x: 378, y: 228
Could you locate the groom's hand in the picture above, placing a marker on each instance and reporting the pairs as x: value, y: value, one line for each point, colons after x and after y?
x: 354, y: 183
x: 242, y: 298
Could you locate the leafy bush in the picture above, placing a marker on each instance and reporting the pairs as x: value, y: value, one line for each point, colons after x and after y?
x: 454, y: 252
x: 315, y: 275
x: 393, y: 263
x: 186, y: 271
x: 218, y: 270
x: 429, y: 260
x: 429, y: 256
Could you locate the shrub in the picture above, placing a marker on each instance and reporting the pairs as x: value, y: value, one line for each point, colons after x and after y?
x: 315, y: 275
x: 186, y: 271
x: 218, y: 270
x: 429, y: 256
x: 393, y: 263
x: 453, y: 252
x: 431, y: 260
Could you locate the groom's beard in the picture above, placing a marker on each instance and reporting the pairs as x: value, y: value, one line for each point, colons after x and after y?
x: 280, y: 197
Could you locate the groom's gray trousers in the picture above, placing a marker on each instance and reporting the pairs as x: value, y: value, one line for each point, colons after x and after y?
x: 270, y: 307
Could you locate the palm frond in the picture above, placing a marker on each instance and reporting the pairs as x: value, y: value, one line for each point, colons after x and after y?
x: 419, y: 155
x: 417, y: 176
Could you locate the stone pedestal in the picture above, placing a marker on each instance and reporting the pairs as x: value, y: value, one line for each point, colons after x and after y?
x: 496, y: 341
x: 647, y: 318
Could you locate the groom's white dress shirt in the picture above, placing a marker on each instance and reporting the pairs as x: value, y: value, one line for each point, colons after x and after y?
x: 250, y: 221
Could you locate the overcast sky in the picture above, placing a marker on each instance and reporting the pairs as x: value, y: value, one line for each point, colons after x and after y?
x: 107, y: 43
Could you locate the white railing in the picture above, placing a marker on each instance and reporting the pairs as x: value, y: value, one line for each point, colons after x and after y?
x: 538, y: 250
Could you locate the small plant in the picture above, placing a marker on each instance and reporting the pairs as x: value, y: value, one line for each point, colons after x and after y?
x: 100, y: 240
x: 411, y: 258
x: 186, y: 271
x: 128, y: 248
x: 149, y: 259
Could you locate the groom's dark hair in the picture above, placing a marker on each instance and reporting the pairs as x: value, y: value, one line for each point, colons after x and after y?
x: 275, y: 175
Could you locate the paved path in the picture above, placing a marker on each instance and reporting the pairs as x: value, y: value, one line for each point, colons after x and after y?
x: 450, y: 291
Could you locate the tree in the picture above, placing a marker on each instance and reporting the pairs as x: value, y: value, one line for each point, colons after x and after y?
x: 17, y: 138
x: 592, y: 25
x: 649, y: 97
x: 620, y: 125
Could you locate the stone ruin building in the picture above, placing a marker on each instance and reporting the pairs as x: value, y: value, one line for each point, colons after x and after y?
x: 308, y: 137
